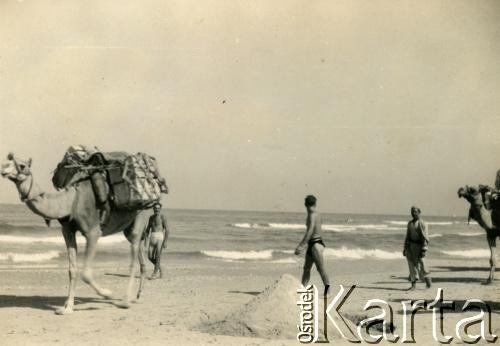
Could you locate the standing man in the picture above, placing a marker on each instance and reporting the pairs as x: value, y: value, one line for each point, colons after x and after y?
x: 415, y: 248
x: 156, y: 239
x: 315, y: 245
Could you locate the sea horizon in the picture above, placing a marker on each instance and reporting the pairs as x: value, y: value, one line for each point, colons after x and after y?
x: 342, y: 213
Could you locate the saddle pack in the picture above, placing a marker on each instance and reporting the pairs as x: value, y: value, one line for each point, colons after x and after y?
x: 134, y: 181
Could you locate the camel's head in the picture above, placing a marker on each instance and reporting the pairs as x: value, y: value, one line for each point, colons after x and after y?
x: 16, y: 169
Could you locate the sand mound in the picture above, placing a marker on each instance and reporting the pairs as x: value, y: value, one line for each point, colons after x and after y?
x: 271, y: 314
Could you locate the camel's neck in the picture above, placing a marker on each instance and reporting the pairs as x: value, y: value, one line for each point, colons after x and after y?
x: 28, y: 188
x: 48, y: 206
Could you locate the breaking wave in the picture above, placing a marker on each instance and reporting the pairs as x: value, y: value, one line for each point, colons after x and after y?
x: 358, y: 253
x: 247, y: 225
x: 328, y: 227
x: 435, y: 223
x: 115, y: 238
x: 474, y: 253
x: 29, y: 257
x: 240, y: 255
x: 272, y: 256
x: 435, y: 235
x: 263, y: 256
x: 289, y: 260
x: 402, y: 223
x: 471, y: 234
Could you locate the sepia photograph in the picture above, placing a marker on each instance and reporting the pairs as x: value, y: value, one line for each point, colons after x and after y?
x: 228, y: 172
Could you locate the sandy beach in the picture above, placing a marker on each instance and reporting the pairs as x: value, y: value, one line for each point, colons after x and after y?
x: 183, y: 307
x: 258, y: 129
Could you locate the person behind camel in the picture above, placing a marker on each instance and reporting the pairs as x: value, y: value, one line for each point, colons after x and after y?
x: 156, y: 239
x: 491, y: 199
x: 478, y: 211
x: 495, y: 203
x: 490, y: 222
x: 415, y: 248
x: 315, y: 245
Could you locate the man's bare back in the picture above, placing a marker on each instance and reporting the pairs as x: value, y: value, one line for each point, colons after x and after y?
x: 314, y: 221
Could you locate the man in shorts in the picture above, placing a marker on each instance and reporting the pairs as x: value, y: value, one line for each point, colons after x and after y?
x: 315, y: 245
x: 156, y: 239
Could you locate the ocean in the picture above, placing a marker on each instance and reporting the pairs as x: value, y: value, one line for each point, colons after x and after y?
x: 246, y: 236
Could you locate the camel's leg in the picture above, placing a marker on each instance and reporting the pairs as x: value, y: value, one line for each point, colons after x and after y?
x: 493, y: 246
x: 87, y: 276
x: 70, y: 239
x: 134, y: 247
x: 142, y: 263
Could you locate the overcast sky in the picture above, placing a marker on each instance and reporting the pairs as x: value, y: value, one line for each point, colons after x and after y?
x: 373, y: 106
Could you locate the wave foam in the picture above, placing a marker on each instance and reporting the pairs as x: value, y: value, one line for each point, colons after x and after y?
x: 435, y: 235
x: 470, y: 234
x: 30, y: 240
x: 328, y: 227
x: 338, y: 228
x: 379, y: 227
x: 403, y: 223
x: 435, y: 223
x: 358, y: 253
x: 240, y: 255
x: 29, y: 257
x: 289, y: 260
x: 440, y: 223
x: 115, y: 238
x: 286, y: 225
x: 284, y: 256
x: 247, y: 225
x: 474, y: 253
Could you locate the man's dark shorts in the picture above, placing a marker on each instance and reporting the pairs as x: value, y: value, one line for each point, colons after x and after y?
x: 311, y: 243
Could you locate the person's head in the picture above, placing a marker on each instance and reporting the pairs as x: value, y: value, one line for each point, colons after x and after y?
x: 310, y: 203
x: 415, y: 212
x: 461, y: 192
x: 157, y: 208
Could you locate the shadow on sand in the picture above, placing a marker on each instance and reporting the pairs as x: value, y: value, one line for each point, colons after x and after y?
x: 253, y: 293
x: 122, y: 275
x: 461, y: 269
x: 383, y: 288
x: 47, y: 303
x: 459, y: 279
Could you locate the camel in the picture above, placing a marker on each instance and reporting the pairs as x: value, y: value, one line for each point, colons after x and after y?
x: 488, y: 220
x: 75, y: 209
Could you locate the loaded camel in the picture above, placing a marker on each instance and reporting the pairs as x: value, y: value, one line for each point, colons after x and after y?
x: 75, y: 209
x: 482, y: 199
